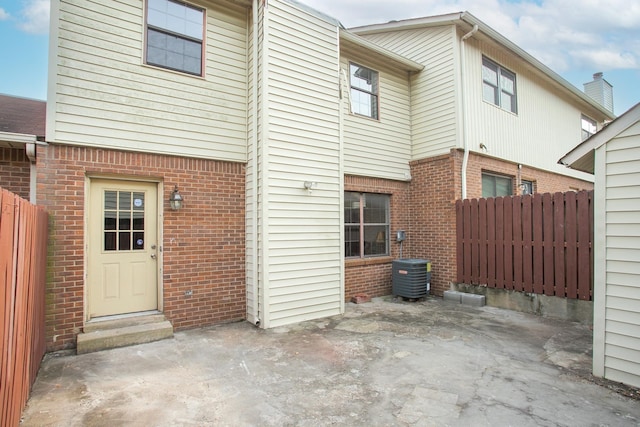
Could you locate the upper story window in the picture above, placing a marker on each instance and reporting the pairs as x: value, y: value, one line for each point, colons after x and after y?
x: 496, y: 185
x: 366, y: 224
x: 588, y: 127
x: 175, y: 36
x: 499, y: 86
x: 364, y: 90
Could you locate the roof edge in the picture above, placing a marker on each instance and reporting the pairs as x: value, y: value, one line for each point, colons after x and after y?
x: 465, y: 17
x: 406, y: 63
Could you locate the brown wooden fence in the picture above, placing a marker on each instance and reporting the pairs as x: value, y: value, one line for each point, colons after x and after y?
x: 23, y: 251
x: 537, y: 244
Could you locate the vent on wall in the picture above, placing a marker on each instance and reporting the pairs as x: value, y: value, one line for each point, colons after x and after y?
x: 411, y: 278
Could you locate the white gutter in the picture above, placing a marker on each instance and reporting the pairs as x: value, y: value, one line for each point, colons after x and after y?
x: 255, y: 312
x: 465, y: 144
x: 29, y: 142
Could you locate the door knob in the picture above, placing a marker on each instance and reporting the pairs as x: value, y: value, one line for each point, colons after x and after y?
x: 153, y: 256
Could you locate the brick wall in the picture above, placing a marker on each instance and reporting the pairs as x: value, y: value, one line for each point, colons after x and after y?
x: 433, y: 223
x: 15, y: 171
x: 203, y: 243
x: 435, y: 186
x: 372, y: 276
x: 543, y: 181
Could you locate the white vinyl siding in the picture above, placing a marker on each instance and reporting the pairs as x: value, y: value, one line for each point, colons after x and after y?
x: 105, y: 96
x: 433, y: 94
x: 621, y: 206
x: 300, y: 249
x: 378, y: 148
x: 545, y: 127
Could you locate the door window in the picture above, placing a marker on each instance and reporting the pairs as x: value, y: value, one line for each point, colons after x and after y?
x: 123, y: 220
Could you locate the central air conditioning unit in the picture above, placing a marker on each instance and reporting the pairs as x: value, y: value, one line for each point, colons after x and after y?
x: 411, y: 278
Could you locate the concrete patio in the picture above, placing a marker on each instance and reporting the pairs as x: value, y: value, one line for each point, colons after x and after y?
x: 384, y: 363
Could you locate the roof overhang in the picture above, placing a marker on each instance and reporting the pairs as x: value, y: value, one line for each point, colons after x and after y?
x: 399, y: 61
x: 582, y: 157
x: 16, y: 140
x: 466, y: 21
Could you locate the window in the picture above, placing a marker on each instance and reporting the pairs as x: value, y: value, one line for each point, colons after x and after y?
x: 366, y: 228
x: 498, y: 86
x: 526, y: 187
x: 364, y: 91
x: 174, y: 36
x: 588, y: 127
x: 496, y: 185
x: 123, y: 221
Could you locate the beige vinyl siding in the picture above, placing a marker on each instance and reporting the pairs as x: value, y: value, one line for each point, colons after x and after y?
x: 433, y: 91
x: 106, y: 97
x: 252, y: 174
x: 378, y: 148
x: 302, y: 231
x: 545, y: 127
x: 622, y: 295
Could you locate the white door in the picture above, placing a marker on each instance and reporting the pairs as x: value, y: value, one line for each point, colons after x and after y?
x: 122, y: 272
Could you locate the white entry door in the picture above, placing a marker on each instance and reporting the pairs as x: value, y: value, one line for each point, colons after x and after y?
x: 122, y: 247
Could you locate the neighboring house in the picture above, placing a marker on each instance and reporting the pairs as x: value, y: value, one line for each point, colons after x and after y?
x: 299, y: 148
x: 22, y: 126
x: 613, y: 154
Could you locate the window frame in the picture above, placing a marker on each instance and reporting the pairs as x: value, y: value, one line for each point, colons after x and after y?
x: 498, y: 88
x: 374, y: 93
x: 365, y: 246
x: 177, y: 35
x: 496, y: 176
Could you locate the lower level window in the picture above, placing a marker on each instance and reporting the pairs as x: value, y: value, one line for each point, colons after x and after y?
x: 366, y: 228
x: 496, y: 185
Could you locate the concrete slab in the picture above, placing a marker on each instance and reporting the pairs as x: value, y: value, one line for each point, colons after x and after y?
x: 383, y: 363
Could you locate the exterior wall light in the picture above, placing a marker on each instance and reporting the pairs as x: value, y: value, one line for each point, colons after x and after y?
x: 310, y: 185
x: 176, y: 200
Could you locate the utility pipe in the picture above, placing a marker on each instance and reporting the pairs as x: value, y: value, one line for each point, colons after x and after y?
x: 465, y: 158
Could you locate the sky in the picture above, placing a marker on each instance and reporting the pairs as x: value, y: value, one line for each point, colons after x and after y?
x: 575, y: 38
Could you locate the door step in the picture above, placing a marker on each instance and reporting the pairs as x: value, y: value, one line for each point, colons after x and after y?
x: 122, y: 332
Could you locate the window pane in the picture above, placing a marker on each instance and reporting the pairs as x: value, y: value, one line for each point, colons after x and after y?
x: 507, y: 84
x: 138, y: 201
x: 352, y: 241
x: 124, y: 241
x: 488, y: 186
x: 489, y: 75
x: 124, y: 222
x: 503, y: 186
x: 352, y: 208
x: 376, y: 209
x: 110, y: 200
x: 109, y: 220
x: 138, y: 241
x: 490, y: 93
x: 375, y: 242
x: 110, y: 241
x: 138, y: 220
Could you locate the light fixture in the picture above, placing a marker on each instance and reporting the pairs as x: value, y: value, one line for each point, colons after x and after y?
x: 176, y: 200
x: 310, y: 185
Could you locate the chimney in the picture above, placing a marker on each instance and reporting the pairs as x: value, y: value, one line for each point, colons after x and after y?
x: 600, y: 90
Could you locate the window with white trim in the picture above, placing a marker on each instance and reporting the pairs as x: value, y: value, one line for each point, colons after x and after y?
x: 589, y: 127
x: 366, y: 224
x: 175, y: 36
x: 496, y: 185
x: 364, y: 90
x: 499, y: 86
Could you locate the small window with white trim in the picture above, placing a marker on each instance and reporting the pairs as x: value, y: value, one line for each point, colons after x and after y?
x: 364, y: 90
x: 499, y: 86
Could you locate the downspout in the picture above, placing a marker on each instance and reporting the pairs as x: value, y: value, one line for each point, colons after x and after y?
x: 30, y: 150
x: 465, y: 158
x: 255, y: 312
x: 343, y: 92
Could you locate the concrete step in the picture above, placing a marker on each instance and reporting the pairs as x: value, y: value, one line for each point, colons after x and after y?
x: 107, y: 334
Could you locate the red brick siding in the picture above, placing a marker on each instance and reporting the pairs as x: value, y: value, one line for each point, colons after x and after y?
x: 435, y: 186
x: 203, y: 244
x: 15, y: 171
x: 433, y: 220
x: 372, y: 276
